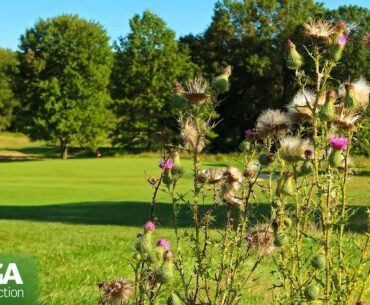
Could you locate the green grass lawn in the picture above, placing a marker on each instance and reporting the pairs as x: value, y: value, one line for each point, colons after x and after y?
x: 79, y: 219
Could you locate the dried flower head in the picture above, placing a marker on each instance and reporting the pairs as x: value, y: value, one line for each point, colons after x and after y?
x: 191, y: 136
x: 166, y: 164
x: 118, y: 292
x: 233, y: 174
x: 261, y: 240
x: 362, y: 91
x: 196, y: 91
x: 230, y: 196
x: 250, y: 171
x: 300, y: 108
x: 339, y: 143
x: 292, y: 149
x: 211, y: 175
x: 346, y: 120
x: 163, y: 243
x: 273, y: 121
x: 320, y: 29
x: 149, y: 226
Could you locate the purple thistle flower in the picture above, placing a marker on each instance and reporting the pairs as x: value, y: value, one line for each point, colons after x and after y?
x: 149, y: 226
x: 339, y: 143
x: 250, y: 134
x: 367, y: 38
x: 166, y: 164
x: 343, y: 39
x: 165, y: 244
x: 308, y: 153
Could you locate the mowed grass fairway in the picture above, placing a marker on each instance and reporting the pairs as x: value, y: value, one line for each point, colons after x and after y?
x: 79, y: 219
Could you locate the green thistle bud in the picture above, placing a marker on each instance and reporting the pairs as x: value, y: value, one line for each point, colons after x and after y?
x: 336, y: 52
x: 328, y: 109
x: 178, y: 101
x: 287, y: 222
x: 173, y: 299
x: 144, y: 242
x: 244, y: 146
x: 137, y: 257
x: 335, y: 158
x: 294, y: 59
x: 350, y: 100
x: 167, y: 179
x: 177, y: 170
x: 287, y: 185
x: 221, y: 83
x: 306, y: 168
x: 312, y: 292
x: 319, y: 262
x: 165, y: 273
x: 279, y: 239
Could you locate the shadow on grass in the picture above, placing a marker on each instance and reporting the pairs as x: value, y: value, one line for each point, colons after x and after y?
x: 136, y: 213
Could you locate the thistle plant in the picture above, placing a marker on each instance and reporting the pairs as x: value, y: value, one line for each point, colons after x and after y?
x: 316, y: 262
x: 298, y: 159
x: 216, y: 270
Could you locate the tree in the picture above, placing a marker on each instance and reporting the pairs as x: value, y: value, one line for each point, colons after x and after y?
x: 148, y: 61
x: 65, y: 65
x: 8, y: 64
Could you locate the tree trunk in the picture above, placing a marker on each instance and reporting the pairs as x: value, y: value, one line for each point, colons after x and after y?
x: 64, y: 149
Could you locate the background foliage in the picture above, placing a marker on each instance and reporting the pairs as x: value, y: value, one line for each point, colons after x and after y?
x: 250, y: 36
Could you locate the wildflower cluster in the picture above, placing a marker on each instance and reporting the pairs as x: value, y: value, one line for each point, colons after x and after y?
x: 309, y: 205
x: 298, y: 159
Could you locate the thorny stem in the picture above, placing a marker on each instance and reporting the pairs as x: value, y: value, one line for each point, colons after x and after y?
x: 327, y: 231
x: 196, y: 218
x: 343, y: 210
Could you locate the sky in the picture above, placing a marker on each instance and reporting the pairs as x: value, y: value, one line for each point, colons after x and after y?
x: 183, y: 16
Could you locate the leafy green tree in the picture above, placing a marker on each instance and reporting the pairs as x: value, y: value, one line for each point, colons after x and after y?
x: 8, y: 64
x: 148, y: 61
x: 65, y: 66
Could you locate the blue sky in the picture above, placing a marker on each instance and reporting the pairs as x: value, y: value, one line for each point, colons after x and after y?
x: 183, y: 16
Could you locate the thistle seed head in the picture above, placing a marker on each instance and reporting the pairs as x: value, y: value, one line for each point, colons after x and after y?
x: 273, y: 122
x: 191, y: 135
x: 261, y: 240
x: 196, y: 91
x: 292, y: 149
x: 117, y: 292
x: 319, y: 29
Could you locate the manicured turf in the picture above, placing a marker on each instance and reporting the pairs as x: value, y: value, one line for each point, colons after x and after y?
x: 79, y: 218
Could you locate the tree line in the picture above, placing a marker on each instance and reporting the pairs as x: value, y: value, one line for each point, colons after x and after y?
x: 67, y: 84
